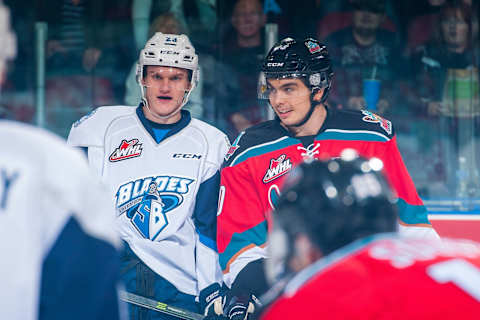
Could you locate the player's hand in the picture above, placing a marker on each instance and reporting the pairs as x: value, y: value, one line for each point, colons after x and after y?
x: 212, y: 300
x: 241, y: 310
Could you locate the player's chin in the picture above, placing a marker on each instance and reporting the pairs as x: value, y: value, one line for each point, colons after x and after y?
x: 164, y: 108
x: 288, y: 120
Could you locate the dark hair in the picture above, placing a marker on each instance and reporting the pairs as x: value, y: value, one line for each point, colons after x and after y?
x: 454, y: 8
x: 376, y: 6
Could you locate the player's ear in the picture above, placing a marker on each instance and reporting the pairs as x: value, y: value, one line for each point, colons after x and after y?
x: 318, y: 95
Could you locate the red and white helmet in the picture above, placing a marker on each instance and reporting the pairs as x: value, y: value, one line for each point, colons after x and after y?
x: 169, y: 50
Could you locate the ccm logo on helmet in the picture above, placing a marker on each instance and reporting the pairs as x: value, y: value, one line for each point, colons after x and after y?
x: 169, y: 52
x: 187, y: 156
x: 275, y: 64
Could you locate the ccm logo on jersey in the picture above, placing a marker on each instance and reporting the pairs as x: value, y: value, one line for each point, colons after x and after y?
x: 187, y: 156
x: 126, y: 150
x: 278, y: 167
x: 275, y: 64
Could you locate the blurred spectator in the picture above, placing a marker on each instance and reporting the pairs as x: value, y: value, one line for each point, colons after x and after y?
x: 364, y: 51
x: 449, y: 57
x: 17, y: 98
x: 447, y: 78
x: 22, y: 20
x: 74, y: 35
x: 141, y: 12
x: 421, y: 27
x: 199, y: 15
x: 333, y: 18
x: 240, y: 58
x: 74, y: 47
x: 119, y: 48
x: 87, y: 57
x: 165, y: 23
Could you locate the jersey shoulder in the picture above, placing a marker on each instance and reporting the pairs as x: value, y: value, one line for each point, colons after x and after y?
x: 216, y: 140
x: 31, y: 140
x: 262, y: 134
x: 360, y: 120
x: 90, y: 129
x: 61, y: 175
x: 210, y: 131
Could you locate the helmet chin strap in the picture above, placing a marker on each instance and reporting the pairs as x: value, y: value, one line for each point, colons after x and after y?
x: 313, y: 104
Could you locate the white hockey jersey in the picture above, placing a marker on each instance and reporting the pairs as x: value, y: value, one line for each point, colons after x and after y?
x: 57, y: 248
x: 166, y: 193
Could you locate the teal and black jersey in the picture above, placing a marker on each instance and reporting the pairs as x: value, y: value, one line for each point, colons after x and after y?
x: 260, y: 158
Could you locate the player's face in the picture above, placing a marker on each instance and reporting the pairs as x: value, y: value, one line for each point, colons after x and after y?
x: 165, y: 88
x: 290, y: 99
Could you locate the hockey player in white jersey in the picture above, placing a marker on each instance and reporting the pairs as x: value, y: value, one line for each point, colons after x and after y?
x: 163, y: 167
x: 59, y: 255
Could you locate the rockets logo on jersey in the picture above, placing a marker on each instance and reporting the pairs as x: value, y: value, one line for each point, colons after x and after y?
x: 147, y: 201
x: 278, y: 167
x: 234, y: 146
x: 373, y: 118
x: 126, y: 150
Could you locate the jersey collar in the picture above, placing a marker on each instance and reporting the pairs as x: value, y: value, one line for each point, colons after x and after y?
x: 174, y: 127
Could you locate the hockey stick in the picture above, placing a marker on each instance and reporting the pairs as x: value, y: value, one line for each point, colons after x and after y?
x: 158, y: 306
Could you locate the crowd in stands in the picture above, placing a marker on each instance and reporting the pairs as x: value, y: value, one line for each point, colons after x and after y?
x: 423, y: 53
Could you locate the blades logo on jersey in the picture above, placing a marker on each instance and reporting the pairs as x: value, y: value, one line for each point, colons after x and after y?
x: 278, y: 167
x: 373, y: 118
x: 126, y: 150
x: 147, y: 201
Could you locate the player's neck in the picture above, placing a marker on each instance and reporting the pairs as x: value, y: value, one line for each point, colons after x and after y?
x: 313, y: 125
x: 170, y: 120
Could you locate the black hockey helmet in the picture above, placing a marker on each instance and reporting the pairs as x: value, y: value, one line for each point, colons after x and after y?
x: 337, y: 201
x: 306, y: 59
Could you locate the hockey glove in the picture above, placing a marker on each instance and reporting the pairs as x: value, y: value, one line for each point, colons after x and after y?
x: 212, y: 300
x: 241, y: 310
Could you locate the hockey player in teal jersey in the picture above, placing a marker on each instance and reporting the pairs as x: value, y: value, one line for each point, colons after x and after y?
x: 295, y: 81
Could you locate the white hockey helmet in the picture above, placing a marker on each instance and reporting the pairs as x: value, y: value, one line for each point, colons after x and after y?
x: 169, y: 50
x: 8, y: 49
